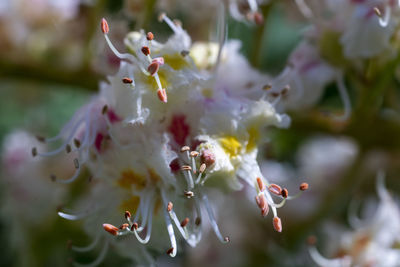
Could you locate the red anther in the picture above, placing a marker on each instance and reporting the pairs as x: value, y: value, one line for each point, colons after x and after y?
x: 40, y: 138
x: 303, y: 186
x: 149, y: 36
x: 68, y: 148
x: 284, y: 193
x: 262, y: 204
x: 186, y: 168
x: 104, y: 26
x: 162, y: 95
x: 275, y: 189
x: 194, y: 154
x: 146, y: 50
x: 207, y: 157
x: 159, y: 60
x: 170, y: 206
x: 267, y: 87
x: 185, y: 148
x: 34, y: 151
x: 285, y: 90
x: 110, y: 228
x: 260, y: 183
x: 134, y: 226
x: 104, y: 110
x: 77, y: 143
x: 277, y: 224
x: 127, y: 215
x: 188, y: 194
x: 274, y: 94
x: 202, y: 168
x: 258, y: 18
x: 170, y: 250
x: 124, y: 226
x: 184, y: 222
x: 127, y: 80
x: 153, y: 68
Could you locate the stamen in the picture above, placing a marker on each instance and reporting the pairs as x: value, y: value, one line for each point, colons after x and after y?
x: 68, y: 148
x: 105, y: 29
x: 104, y: 26
x: 377, y: 12
x: 185, y: 148
x: 97, y: 261
x: 76, y: 163
x: 110, y: 228
x: 262, y: 204
x: 213, y: 221
x: 303, y: 187
x: 88, y: 247
x: 170, y: 229
x: 127, y: 80
x: 185, y: 222
x: 186, y: 168
x: 41, y: 139
x: 258, y: 18
x: 153, y: 68
x: 184, y: 53
x: 34, y: 151
x: 162, y: 95
x: 304, y: 9
x: 344, y: 96
x: 277, y: 224
x: 146, y: 50
x: 170, y: 250
x: 124, y: 226
x: 169, y: 22
x: 170, y: 206
x: 149, y: 36
x: 127, y: 215
x: 202, y: 168
x: 159, y: 60
x: 275, y: 189
x: 134, y: 226
x: 188, y: 194
x: 260, y: 183
x: 284, y: 193
x: 197, y: 222
x: 77, y: 143
x: 104, y: 110
x: 384, y: 21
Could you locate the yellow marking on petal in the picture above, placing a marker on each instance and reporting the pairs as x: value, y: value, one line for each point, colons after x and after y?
x: 254, y: 137
x: 207, y: 92
x: 130, y: 204
x: 154, y: 177
x: 176, y: 61
x: 151, y: 81
x: 129, y: 178
x: 230, y: 145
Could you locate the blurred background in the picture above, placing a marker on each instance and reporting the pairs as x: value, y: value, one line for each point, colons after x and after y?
x: 52, y: 58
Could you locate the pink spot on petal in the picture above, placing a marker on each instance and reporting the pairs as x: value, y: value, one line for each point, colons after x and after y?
x: 112, y: 116
x: 179, y: 129
x: 174, y: 165
x: 98, y: 141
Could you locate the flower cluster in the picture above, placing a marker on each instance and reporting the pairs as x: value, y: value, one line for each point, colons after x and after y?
x: 373, y: 242
x: 165, y: 130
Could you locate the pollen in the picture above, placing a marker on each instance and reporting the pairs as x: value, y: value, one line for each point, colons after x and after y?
x: 230, y: 145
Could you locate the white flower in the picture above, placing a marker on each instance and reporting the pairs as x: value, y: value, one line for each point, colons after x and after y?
x: 163, y: 132
x: 373, y: 241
